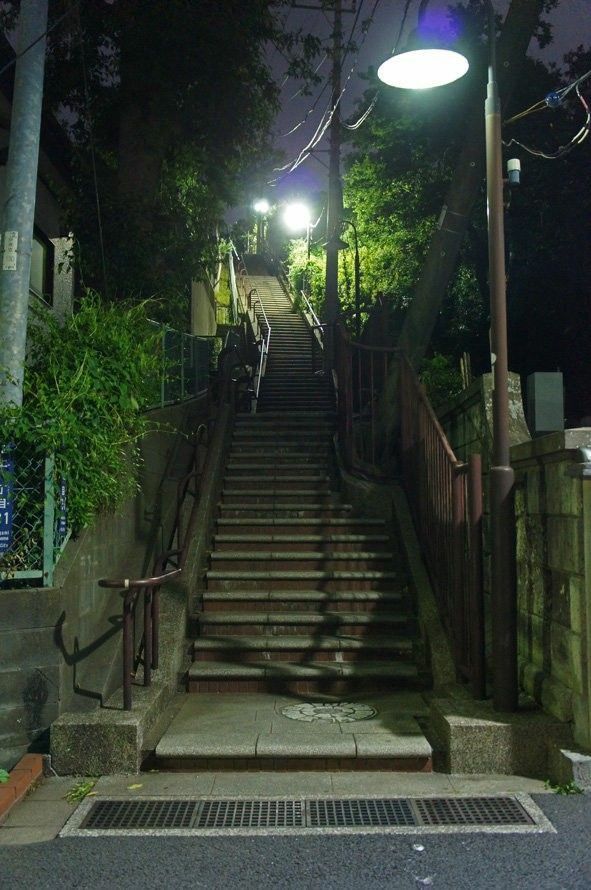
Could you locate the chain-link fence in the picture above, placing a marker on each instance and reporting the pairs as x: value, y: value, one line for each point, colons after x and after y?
x: 33, y: 517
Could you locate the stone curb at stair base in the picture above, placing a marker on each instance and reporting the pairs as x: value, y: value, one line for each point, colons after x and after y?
x: 23, y: 776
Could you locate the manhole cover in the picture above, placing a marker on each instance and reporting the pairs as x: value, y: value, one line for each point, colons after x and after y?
x: 329, y: 712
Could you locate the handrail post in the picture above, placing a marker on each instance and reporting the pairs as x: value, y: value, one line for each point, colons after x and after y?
x: 458, y: 515
x: 148, y: 638
x: 476, y: 607
x: 155, y: 627
x: 127, y: 649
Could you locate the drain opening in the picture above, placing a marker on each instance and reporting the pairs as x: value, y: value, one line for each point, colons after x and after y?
x: 359, y: 813
x: 302, y: 813
x: 146, y: 814
x: 251, y: 814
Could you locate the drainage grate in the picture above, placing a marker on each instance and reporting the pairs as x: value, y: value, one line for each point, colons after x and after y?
x: 251, y: 814
x: 359, y: 813
x: 471, y: 811
x: 301, y: 813
x: 144, y: 814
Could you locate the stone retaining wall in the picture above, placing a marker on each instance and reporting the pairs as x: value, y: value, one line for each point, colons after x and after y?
x: 60, y: 647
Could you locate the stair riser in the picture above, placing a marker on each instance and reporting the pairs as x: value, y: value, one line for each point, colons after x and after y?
x: 279, y: 461
x: 298, y: 547
x: 362, y: 608
x: 302, y: 656
x: 302, y: 528
x: 266, y: 480
x: 278, y: 630
x: 334, y: 584
x: 228, y: 511
x: 287, y: 499
x: 320, y: 564
x: 303, y: 687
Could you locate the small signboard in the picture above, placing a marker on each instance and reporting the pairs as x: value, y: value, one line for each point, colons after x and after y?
x: 62, y: 522
x: 6, y: 500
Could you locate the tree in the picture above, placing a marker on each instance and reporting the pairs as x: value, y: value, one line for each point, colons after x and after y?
x: 169, y: 104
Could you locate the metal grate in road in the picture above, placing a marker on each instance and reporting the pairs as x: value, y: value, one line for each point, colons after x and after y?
x: 251, y: 814
x: 359, y: 813
x: 471, y: 811
x: 145, y: 814
x: 306, y: 813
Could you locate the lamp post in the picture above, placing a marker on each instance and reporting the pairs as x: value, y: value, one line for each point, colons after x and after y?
x: 357, y: 270
x: 261, y: 208
x: 398, y: 71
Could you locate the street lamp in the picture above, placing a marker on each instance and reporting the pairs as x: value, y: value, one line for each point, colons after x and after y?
x: 357, y: 269
x: 298, y: 218
x: 261, y: 207
x: 503, y: 576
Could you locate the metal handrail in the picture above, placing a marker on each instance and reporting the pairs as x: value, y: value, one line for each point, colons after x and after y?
x: 263, y: 341
x: 151, y: 587
x: 310, y: 308
x: 445, y: 496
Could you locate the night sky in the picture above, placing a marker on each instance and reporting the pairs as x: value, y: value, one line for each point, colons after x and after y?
x: 571, y: 23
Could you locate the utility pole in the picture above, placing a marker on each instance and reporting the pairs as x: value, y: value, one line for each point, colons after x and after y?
x: 334, y: 213
x: 18, y: 212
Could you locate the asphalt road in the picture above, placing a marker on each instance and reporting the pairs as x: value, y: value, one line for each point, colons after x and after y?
x: 559, y: 861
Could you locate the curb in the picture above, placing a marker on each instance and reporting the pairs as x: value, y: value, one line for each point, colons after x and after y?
x: 23, y: 776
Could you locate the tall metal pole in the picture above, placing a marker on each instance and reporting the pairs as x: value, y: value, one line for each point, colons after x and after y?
x: 503, y: 572
x: 335, y: 195
x: 19, y: 202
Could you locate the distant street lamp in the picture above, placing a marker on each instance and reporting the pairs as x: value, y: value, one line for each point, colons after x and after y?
x: 297, y: 217
x: 261, y: 207
x: 439, y: 67
x: 357, y: 268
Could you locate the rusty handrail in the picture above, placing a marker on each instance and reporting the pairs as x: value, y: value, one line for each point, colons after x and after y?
x: 445, y: 496
x: 150, y: 586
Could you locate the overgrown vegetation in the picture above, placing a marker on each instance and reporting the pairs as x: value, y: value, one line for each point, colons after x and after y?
x: 80, y: 790
x: 87, y: 385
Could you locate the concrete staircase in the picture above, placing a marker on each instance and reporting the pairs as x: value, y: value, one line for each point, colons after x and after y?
x: 302, y: 597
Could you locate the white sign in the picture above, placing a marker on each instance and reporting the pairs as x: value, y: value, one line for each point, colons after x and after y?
x: 10, y: 249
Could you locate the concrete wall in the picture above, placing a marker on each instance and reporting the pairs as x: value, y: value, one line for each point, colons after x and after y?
x: 553, y: 512
x: 203, y: 320
x: 553, y: 521
x: 60, y: 647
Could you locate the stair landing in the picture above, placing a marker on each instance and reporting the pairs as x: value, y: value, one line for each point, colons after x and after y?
x: 253, y: 732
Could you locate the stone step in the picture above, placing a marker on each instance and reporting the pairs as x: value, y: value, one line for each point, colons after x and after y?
x: 286, y: 482
x: 279, y: 497
x: 359, y: 525
x: 299, y: 560
x: 265, y: 433
x: 296, y: 648
x: 281, y: 676
x: 301, y: 622
x: 244, y: 417
x: 314, y: 461
x: 300, y: 542
x: 352, y: 601
x: 227, y: 579
x: 241, y: 510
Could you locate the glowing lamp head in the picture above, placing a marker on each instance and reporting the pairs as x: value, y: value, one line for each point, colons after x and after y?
x: 296, y: 217
x: 261, y: 206
x: 422, y: 69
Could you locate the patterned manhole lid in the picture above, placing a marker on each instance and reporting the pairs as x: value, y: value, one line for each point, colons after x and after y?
x: 329, y: 712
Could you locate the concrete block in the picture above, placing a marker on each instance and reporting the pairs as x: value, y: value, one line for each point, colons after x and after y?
x: 564, y: 494
x: 481, y: 740
x: 571, y: 766
x: 565, y: 544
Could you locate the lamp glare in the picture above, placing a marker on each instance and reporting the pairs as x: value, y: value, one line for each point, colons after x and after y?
x: 262, y: 206
x: 296, y: 217
x: 423, y: 69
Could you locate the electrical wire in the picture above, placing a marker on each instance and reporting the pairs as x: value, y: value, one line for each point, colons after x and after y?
x: 361, y: 120
x: 557, y: 97
x: 577, y: 139
x: 75, y: 6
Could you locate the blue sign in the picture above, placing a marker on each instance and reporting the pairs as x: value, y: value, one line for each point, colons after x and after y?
x: 6, y: 500
x: 62, y: 523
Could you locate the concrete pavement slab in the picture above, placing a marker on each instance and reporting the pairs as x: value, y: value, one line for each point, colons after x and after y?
x: 156, y: 784
x: 390, y: 784
x: 272, y: 784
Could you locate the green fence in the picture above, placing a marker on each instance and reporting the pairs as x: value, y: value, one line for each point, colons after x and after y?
x: 186, y: 365
x: 34, y: 526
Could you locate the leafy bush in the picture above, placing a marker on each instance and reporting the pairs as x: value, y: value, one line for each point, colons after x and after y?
x: 441, y: 380
x: 86, y: 385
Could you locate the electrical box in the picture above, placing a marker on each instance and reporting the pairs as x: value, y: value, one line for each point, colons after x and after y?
x: 545, y: 402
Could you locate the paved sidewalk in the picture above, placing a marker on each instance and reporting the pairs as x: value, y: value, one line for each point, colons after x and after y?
x: 42, y: 815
